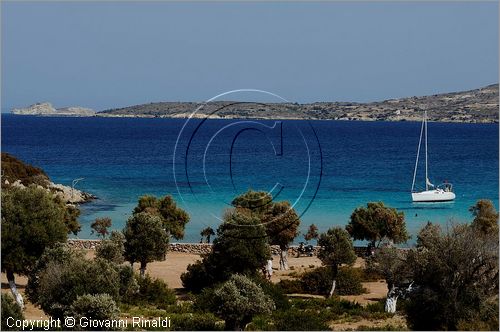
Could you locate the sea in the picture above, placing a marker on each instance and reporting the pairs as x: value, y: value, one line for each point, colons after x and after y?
x: 325, y: 169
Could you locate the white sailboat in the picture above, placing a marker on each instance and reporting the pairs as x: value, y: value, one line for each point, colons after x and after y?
x: 440, y: 193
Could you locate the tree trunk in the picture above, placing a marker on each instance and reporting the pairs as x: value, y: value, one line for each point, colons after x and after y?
x: 391, y: 301
x: 208, y: 239
x: 334, y: 283
x: 284, y: 258
x: 142, y: 269
x: 12, y: 284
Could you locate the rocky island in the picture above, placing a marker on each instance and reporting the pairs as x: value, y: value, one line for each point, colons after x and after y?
x: 479, y: 105
x: 473, y: 106
x: 46, y: 109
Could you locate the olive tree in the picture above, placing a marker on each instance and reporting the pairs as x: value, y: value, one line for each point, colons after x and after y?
x: 282, y: 226
x: 238, y: 300
x: 455, y: 273
x: 112, y: 249
x: 377, y: 223
x: 335, y: 249
x: 281, y: 220
x: 100, y: 226
x: 392, y: 264
x: 174, y: 219
x: 145, y: 240
x: 32, y: 220
x: 485, y: 216
x: 240, y: 247
x: 312, y: 233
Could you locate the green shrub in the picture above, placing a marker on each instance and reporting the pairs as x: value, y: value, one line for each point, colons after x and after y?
x: 319, y: 281
x: 10, y: 309
x: 155, y: 292
x: 112, y: 249
x: 238, y: 300
x: 387, y: 327
x: 61, y: 283
x: 275, y: 292
x: 99, y: 307
x: 291, y: 286
x: 195, y: 322
x: 297, y: 320
x: 349, y: 282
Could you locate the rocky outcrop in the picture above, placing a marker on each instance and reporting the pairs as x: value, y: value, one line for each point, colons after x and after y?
x: 46, y: 109
x: 66, y: 193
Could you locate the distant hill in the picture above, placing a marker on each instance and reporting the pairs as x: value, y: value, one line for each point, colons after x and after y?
x: 46, y: 109
x: 480, y: 105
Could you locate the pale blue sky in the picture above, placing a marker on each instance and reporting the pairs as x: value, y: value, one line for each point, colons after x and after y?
x: 104, y: 55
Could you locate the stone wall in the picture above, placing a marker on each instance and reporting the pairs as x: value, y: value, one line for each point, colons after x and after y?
x: 201, y: 248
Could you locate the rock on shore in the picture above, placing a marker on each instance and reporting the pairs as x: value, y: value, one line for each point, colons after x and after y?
x: 46, y: 109
x: 66, y: 193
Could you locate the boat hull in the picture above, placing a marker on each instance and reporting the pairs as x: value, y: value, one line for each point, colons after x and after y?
x: 433, y: 196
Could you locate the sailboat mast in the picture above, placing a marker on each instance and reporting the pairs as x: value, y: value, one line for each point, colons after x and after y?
x: 418, y: 154
x: 426, y: 171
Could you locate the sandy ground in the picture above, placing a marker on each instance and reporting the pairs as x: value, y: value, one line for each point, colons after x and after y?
x: 176, y: 263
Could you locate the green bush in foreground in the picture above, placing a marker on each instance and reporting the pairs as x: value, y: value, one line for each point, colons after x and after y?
x: 318, y: 281
x: 297, y: 320
x: 153, y: 292
x: 9, y: 309
x: 195, y: 322
x: 99, y: 307
x: 61, y: 283
x: 238, y: 300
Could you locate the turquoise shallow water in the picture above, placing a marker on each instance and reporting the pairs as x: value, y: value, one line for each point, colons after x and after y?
x: 332, y: 166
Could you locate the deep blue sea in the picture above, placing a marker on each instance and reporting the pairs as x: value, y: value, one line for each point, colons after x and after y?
x: 325, y: 168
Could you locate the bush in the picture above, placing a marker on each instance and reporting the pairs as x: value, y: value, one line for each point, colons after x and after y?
x: 297, y: 320
x: 195, y: 322
x: 238, y: 300
x: 153, y: 291
x: 61, y: 283
x: 112, y: 249
x: 10, y: 309
x: 291, y: 286
x: 275, y: 292
x: 99, y: 307
x: 319, y: 281
x: 349, y: 282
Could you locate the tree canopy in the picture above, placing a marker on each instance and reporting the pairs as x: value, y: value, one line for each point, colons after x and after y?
x: 100, y: 226
x: 280, y: 219
x: 238, y: 300
x: 456, y: 277
x: 485, y: 216
x: 207, y: 232
x: 240, y: 247
x: 145, y: 239
x: 174, y: 219
x: 335, y: 249
x: 312, y: 233
x: 377, y: 223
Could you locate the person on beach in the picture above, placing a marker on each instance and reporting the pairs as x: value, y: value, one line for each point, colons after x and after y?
x: 269, y: 269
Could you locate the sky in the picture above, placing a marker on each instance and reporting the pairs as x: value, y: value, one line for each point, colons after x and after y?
x: 116, y: 54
